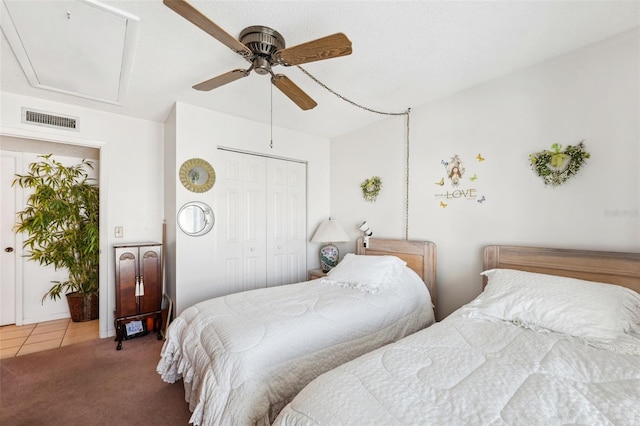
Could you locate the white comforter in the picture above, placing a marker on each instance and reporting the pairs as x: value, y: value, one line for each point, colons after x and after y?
x: 244, y: 356
x: 466, y: 371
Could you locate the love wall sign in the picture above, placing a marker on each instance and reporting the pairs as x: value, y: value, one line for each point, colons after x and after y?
x: 554, y: 166
x: 456, y: 181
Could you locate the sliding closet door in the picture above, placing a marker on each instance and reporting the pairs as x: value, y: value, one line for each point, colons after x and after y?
x: 241, y: 221
x: 286, y: 222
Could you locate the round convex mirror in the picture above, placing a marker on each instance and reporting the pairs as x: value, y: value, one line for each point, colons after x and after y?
x: 197, y: 175
x: 195, y: 218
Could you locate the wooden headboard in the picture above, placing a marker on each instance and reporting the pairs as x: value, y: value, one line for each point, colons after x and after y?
x: 419, y: 255
x: 602, y: 266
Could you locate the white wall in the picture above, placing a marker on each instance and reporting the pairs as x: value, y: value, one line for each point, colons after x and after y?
x: 194, y: 132
x: 592, y: 94
x: 131, y: 155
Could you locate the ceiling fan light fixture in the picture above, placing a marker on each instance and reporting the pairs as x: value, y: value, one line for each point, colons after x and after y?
x: 261, y: 40
x: 262, y: 66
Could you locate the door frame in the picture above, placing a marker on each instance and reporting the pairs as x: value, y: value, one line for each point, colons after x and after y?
x: 16, y: 310
x: 102, y: 183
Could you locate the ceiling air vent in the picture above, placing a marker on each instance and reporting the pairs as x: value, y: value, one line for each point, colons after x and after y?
x: 40, y: 118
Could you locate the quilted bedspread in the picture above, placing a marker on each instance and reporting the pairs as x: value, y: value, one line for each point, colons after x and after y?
x: 244, y: 356
x: 466, y: 371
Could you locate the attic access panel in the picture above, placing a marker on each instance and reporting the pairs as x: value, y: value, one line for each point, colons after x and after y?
x: 78, y: 47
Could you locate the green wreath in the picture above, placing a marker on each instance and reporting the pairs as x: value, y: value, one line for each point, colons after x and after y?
x: 557, y: 175
x: 371, y: 188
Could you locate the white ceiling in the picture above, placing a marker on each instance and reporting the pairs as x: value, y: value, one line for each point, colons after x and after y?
x: 405, y: 54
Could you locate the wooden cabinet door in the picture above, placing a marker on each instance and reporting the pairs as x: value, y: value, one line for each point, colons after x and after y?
x: 150, y: 272
x: 126, y: 273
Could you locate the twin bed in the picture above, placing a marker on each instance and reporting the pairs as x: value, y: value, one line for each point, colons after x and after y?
x: 244, y: 356
x: 533, y: 348
x: 553, y: 339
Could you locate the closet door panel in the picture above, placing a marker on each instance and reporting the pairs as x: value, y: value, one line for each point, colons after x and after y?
x: 230, y: 213
x: 277, y: 231
x: 276, y: 223
x: 253, y: 274
x: 254, y: 252
x: 230, y: 243
x: 296, y: 231
x: 297, y: 238
x: 296, y: 263
x: 229, y: 235
x: 297, y: 217
x: 240, y: 218
x: 277, y: 241
x: 286, y: 222
x: 277, y: 271
x: 253, y: 214
x: 232, y: 276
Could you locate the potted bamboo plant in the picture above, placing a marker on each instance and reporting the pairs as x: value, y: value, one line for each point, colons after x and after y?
x: 62, y: 227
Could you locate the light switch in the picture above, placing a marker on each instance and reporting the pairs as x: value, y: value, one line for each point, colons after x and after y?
x: 119, y: 232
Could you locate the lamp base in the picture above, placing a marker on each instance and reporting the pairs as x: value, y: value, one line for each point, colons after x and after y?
x: 329, y: 257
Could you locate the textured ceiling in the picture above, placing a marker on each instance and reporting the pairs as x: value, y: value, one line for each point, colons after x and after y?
x: 405, y: 54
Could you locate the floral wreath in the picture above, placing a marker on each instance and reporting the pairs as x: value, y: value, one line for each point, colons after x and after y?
x: 556, y: 175
x: 371, y: 188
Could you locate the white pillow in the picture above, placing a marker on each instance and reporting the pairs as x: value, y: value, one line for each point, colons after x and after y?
x: 576, y: 307
x: 366, y: 273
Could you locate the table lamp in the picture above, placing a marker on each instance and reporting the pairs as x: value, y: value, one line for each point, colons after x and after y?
x: 329, y: 232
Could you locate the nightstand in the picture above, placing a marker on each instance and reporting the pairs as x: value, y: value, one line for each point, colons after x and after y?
x: 315, y: 274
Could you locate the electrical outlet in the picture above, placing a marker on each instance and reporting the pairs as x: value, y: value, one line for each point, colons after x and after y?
x: 119, y: 232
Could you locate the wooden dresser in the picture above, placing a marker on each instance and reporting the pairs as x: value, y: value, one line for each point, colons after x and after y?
x: 138, y: 268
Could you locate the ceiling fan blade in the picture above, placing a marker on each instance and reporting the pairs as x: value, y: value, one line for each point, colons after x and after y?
x: 193, y: 15
x: 293, y: 92
x: 221, y: 80
x: 328, y: 47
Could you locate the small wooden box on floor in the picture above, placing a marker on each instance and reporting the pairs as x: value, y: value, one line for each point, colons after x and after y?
x: 138, y: 286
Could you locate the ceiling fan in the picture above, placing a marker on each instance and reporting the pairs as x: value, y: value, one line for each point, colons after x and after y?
x: 264, y: 48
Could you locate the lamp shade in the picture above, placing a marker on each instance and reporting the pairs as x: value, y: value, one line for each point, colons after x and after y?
x: 330, y: 231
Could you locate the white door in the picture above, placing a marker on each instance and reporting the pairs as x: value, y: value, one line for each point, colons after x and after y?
x: 8, y: 239
x: 241, y: 221
x: 260, y: 221
x: 286, y: 222
x: 32, y: 279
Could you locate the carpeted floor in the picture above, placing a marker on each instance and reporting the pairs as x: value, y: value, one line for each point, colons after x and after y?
x: 90, y: 383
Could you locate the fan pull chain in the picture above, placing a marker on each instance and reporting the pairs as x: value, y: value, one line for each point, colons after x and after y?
x: 406, y: 210
x: 348, y: 100
x: 407, y: 113
x: 271, y: 136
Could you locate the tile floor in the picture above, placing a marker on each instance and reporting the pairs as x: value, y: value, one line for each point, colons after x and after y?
x: 26, y: 339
